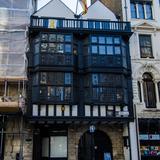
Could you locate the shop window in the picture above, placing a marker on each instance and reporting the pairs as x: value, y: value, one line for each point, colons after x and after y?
x: 149, y: 91
x: 142, y: 10
x: 54, y: 147
x: 145, y: 46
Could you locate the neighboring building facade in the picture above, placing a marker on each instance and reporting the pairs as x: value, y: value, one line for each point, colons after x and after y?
x: 145, y: 60
x: 80, y: 90
x: 14, y: 19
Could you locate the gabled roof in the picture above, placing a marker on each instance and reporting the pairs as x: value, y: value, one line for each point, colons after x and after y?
x: 99, y: 11
x: 55, y: 8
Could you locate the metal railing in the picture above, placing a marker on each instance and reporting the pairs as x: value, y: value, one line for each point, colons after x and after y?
x: 79, y: 24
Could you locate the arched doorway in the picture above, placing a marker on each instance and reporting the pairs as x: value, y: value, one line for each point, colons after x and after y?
x: 95, y: 146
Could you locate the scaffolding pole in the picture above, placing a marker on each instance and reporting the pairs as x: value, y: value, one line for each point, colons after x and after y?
x: 2, y: 136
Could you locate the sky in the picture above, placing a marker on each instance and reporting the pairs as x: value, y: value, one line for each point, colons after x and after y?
x: 70, y: 3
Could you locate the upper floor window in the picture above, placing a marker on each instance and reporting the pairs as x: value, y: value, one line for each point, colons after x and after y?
x: 105, y: 45
x: 55, y: 43
x: 145, y: 46
x: 149, y: 91
x: 109, y: 88
x: 142, y: 10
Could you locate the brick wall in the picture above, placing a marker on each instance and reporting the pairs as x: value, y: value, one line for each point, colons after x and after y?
x: 114, y: 132
x: 13, y: 141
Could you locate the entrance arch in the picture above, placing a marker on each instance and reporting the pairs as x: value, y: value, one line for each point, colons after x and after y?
x: 94, y: 146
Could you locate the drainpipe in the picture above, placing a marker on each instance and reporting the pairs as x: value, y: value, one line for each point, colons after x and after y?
x: 125, y: 7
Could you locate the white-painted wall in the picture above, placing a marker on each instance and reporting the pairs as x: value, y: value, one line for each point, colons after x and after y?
x: 142, y: 65
x: 55, y: 8
x: 95, y: 12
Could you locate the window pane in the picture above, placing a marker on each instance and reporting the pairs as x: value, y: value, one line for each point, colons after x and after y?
x: 36, y: 48
x: 43, y: 78
x: 35, y: 110
x: 44, y: 37
x: 94, y: 39
x: 95, y: 79
x: 67, y: 38
x: 102, y: 49
x: 52, y: 48
x: 58, y: 146
x: 43, y: 110
x: 60, y: 48
x: 145, y: 46
x: 44, y: 47
x: 67, y: 48
x: 109, y: 40
x: 95, y: 93
x: 67, y: 78
x: 102, y: 40
x: 51, y: 91
x: 133, y: 10
x: 67, y: 93
x: 52, y: 37
x: 149, y: 11
x: 59, y: 93
x: 94, y: 49
x: 116, y: 40
x: 110, y: 50
x: 141, y: 11
x: 149, y: 91
x: 60, y: 38
x: 117, y: 50
x: 45, y: 147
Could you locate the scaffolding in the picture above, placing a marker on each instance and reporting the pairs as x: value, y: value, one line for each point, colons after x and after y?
x: 14, y: 21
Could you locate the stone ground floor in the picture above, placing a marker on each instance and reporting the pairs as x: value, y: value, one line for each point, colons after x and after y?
x: 67, y: 142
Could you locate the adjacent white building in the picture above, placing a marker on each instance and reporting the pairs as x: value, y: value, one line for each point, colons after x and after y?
x: 144, y: 16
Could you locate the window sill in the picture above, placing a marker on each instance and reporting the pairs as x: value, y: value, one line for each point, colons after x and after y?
x: 142, y: 19
x: 152, y: 109
x: 147, y: 58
